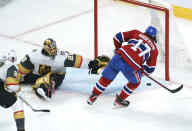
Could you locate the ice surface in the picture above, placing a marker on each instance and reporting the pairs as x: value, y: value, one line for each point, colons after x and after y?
x: 24, y: 26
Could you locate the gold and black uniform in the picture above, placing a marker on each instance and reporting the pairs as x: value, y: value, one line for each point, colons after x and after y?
x: 43, y: 69
x: 36, y: 65
x: 9, y: 86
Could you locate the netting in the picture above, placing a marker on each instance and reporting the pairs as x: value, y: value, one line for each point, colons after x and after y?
x: 117, y: 16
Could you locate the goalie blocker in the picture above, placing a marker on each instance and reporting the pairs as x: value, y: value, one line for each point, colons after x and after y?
x: 96, y: 65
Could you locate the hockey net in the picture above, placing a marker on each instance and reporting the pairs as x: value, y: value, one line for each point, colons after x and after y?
x: 112, y: 17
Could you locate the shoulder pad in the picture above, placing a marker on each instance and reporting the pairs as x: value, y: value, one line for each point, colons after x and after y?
x: 12, y: 71
x: 26, y: 62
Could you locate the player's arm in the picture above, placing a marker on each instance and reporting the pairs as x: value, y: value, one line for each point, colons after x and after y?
x: 150, y: 65
x: 13, y: 79
x: 25, y: 66
x: 121, y: 37
x: 77, y: 61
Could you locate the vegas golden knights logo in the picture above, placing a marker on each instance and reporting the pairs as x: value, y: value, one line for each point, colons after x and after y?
x: 44, y: 69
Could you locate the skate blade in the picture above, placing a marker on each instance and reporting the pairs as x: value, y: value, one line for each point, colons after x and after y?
x: 118, y: 106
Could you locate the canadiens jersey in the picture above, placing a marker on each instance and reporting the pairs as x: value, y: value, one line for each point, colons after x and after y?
x: 41, y: 64
x: 139, y: 49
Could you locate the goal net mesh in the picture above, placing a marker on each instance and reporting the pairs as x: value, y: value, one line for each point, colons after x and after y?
x: 119, y: 16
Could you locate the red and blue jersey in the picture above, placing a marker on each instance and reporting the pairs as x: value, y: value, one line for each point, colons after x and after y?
x: 138, y: 50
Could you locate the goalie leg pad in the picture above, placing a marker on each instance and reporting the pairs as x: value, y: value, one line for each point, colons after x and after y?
x: 47, y: 84
x: 42, y: 90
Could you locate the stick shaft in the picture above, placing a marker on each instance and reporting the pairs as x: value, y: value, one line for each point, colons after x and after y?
x: 41, y: 110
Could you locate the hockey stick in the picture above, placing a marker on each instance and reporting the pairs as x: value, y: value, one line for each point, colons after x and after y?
x: 41, y: 110
x: 172, y: 91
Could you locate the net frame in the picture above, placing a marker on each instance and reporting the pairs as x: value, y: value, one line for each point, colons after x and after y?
x: 159, y: 8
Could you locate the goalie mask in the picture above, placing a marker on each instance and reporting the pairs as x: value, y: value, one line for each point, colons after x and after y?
x: 50, y: 47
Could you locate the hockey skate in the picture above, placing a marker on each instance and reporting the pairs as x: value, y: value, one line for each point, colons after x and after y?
x: 120, y: 103
x: 21, y: 129
x: 92, y: 99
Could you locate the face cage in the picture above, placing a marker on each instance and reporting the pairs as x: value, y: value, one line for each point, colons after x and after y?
x: 51, y: 51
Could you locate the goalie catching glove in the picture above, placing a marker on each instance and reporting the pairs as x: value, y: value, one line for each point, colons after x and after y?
x: 99, y: 63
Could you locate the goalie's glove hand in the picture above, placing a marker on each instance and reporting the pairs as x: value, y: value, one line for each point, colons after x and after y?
x: 96, y: 65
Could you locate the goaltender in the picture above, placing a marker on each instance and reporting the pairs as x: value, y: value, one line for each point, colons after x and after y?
x: 45, y: 68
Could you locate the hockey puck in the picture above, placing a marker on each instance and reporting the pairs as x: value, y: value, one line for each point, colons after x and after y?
x: 148, y: 84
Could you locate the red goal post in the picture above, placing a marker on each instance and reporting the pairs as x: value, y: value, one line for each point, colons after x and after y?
x: 159, y: 8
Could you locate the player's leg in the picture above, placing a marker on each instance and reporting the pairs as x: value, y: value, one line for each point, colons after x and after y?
x: 108, y: 75
x: 19, y: 115
x: 134, y: 79
x: 7, y: 100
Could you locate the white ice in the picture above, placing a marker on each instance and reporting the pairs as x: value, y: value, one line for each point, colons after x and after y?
x: 25, y: 24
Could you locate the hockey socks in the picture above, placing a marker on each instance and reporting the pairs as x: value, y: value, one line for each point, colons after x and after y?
x: 101, y: 85
x: 98, y: 89
x: 20, y: 120
x: 128, y: 90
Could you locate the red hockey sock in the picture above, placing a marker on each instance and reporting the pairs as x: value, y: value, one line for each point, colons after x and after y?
x: 128, y: 90
x: 101, y: 85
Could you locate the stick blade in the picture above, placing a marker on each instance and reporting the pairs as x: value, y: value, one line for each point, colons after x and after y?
x: 177, y: 89
x: 43, y: 110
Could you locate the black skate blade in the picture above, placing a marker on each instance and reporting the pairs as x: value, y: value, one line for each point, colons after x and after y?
x: 116, y: 106
x: 89, y: 102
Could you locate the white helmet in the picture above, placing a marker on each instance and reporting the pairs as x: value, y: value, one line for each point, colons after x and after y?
x: 12, y: 56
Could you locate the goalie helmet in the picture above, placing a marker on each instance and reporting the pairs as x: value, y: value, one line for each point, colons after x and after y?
x: 151, y: 31
x: 12, y: 56
x: 50, y: 47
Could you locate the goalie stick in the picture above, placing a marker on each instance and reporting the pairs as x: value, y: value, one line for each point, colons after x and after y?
x: 170, y: 90
x: 41, y: 110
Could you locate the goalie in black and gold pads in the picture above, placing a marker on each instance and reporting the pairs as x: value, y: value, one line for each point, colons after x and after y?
x: 45, y: 68
x: 9, y: 87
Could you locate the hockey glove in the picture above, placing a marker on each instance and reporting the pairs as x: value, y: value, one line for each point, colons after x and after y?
x: 96, y: 65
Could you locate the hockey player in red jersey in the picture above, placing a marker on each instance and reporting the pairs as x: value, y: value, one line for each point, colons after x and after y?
x: 137, y: 56
x: 9, y: 88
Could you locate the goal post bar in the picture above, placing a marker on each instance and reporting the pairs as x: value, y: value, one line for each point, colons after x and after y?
x: 165, y: 10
